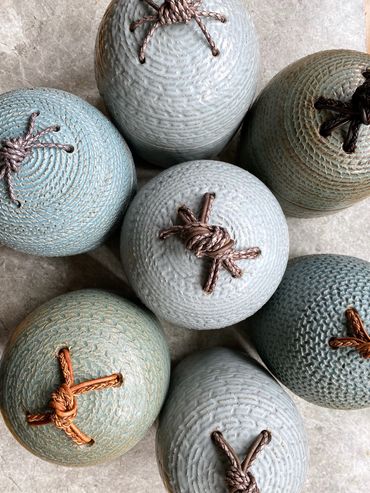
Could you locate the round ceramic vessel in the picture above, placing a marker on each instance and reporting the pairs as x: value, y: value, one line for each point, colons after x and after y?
x: 293, y: 330
x: 183, y: 103
x: 168, y: 278
x: 69, y: 201
x: 310, y: 174
x: 105, y: 334
x: 228, y: 392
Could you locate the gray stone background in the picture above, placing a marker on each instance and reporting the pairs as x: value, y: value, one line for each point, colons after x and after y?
x: 48, y: 43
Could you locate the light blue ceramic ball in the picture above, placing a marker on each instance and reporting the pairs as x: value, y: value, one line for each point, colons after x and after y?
x: 69, y: 201
x: 183, y: 103
x: 105, y: 335
x: 221, y: 389
x: 293, y: 330
x: 169, y: 278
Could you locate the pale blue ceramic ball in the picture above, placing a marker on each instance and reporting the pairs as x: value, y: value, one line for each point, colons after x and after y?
x: 292, y: 331
x: 221, y: 389
x: 105, y: 335
x: 69, y: 201
x: 183, y: 103
x: 169, y: 278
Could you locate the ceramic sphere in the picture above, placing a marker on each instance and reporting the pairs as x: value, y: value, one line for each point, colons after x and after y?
x: 168, y: 278
x: 311, y: 174
x: 67, y: 202
x: 183, y: 103
x: 228, y: 392
x: 105, y: 335
x: 292, y: 332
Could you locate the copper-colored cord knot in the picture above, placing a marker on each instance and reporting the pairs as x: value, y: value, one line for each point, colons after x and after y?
x: 358, y: 338
x: 356, y: 112
x: 175, y: 12
x: 14, y: 151
x: 205, y: 240
x: 63, y: 401
x: 238, y: 477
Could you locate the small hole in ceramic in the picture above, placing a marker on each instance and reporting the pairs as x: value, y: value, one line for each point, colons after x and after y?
x: 37, y: 113
x: 57, y: 128
x: 70, y: 149
x: 18, y: 204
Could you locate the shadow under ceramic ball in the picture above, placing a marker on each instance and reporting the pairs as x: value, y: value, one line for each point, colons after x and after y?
x: 308, y: 137
x: 58, y: 201
x: 105, y: 335
x: 171, y: 278
x: 223, y: 390
x: 294, y: 332
x: 189, y: 97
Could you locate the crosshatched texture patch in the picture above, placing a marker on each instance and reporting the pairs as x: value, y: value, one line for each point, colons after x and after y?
x: 310, y: 174
x: 70, y: 202
x: 292, y: 331
x: 183, y: 103
x: 221, y: 389
x: 169, y: 279
x: 105, y: 334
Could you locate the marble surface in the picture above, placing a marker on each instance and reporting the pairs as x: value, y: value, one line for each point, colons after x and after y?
x: 49, y: 43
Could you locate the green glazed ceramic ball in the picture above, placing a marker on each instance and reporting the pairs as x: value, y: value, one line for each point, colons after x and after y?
x: 292, y: 332
x: 223, y: 390
x: 105, y: 335
x: 311, y: 174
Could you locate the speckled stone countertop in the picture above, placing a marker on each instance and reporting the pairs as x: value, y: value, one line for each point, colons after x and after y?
x: 47, y: 43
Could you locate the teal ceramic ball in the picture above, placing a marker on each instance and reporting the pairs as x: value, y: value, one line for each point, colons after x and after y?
x: 183, y: 103
x: 223, y: 390
x: 292, y: 332
x: 66, y: 202
x: 170, y: 278
x: 105, y: 335
x: 284, y: 142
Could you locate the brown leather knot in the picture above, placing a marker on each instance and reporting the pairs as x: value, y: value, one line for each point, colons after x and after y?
x: 175, y: 12
x: 206, y: 240
x: 15, y: 150
x: 238, y: 478
x: 63, y: 400
x: 358, y: 338
x: 356, y: 111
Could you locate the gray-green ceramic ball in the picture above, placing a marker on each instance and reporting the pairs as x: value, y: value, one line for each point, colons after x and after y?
x: 311, y: 175
x: 292, y: 331
x: 221, y: 389
x: 105, y: 334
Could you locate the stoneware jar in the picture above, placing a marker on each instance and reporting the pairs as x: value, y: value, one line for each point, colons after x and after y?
x: 204, y: 244
x: 83, y: 378
x: 177, y: 92
x: 232, y: 407
x: 307, y: 136
x: 66, y: 174
x: 314, y: 333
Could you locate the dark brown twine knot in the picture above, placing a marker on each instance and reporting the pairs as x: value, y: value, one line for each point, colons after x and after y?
x: 238, y: 477
x: 175, y: 12
x: 357, y: 112
x: 358, y: 338
x: 64, y: 404
x: 14, y: 151
x: 205, y: 240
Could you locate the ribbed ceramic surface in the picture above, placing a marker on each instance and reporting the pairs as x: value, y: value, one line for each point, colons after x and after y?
x: 169, y: 279
x: 220, y: 389
x: 106, y: 334
x: 282, y: 145
x: 183, y: 103
x: 292, y: 331
x: 70, y: 202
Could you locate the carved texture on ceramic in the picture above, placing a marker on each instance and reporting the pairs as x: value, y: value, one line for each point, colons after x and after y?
x: 70, y: 202
x: 223, y: 389
x: 105, y: 334
x: 292, y: 331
